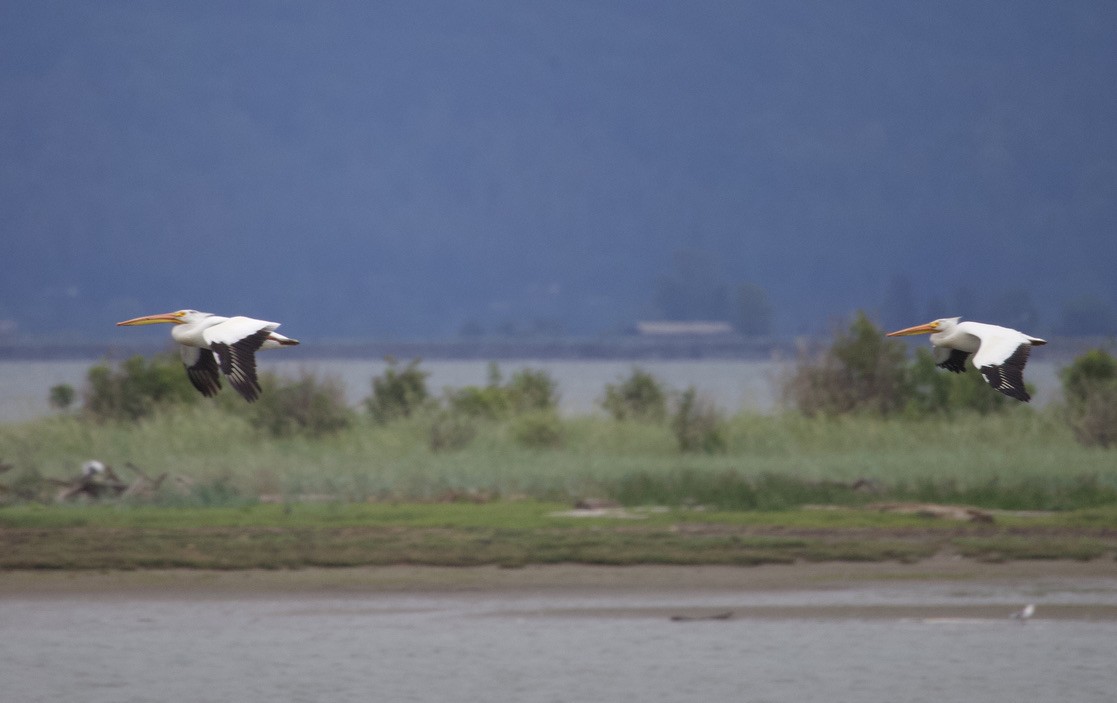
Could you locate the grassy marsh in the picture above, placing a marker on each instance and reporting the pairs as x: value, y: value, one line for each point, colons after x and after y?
x: 1023, y: 459
x: 515, y: 533
x: 781, y: 489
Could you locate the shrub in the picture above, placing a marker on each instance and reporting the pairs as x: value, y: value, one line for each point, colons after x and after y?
x: 528, y: 390
x: 476, y: 401
x: 136, y: 388
x: 1090, y: 389
x: 698, y: 424
x: 61, y: 396
x: 451, y: 431
x: 1095, y: 423
x: 861, y: 371
x: 1093, y: 369
x: 397, y: 393
x: 540, y: 429
x: 638, y: 397
x: 930, y: 386
x: 306, y: 405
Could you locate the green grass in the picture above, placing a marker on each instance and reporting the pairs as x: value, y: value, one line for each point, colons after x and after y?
x: 496, y: 515
x: 1023, y: 459
x: 781, y: 488
x: 514, y: 533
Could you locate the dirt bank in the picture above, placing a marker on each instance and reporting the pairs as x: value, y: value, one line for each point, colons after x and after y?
x: 567, y: 579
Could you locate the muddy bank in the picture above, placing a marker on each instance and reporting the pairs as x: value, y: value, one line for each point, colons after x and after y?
x: 567, y: 579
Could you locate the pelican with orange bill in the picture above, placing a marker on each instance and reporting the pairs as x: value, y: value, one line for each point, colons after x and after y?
x: 999, y: 353
x: 212, y: 345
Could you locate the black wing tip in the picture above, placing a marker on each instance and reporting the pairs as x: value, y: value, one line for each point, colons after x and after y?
x: 238, y: 363
x: 1008, y: 378
x: 956, y: 362
x: 248, y: 389
x: 995, y: 377
x: 205, y: 386
x: 204, y: 375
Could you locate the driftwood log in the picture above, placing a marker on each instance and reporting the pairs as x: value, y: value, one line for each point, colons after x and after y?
x: 933, y: 510
x: 98, y: 481
x: 695, y: 618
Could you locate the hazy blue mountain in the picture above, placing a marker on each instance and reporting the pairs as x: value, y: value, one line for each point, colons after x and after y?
x: 395, y: 169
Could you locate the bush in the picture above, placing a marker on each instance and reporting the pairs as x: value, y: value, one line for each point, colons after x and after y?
x: 1085, y: 374
x: 307, y: 405
x: 540, y: 429
x: 1095, y: 423
x: 136, y: 388
x: 483, y: 402
x: 398, y: 393
x: 451, y: 431
x: 698, y: 424
x: 61, y: 396
x: 531, y: 390
x: 862, y: 371
x: 638, y: 397
x: 528, y: 390
x: 1090, y: 389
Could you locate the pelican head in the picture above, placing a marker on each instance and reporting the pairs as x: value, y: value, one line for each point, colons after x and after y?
x: 178, y: 318
x: 943, y: 324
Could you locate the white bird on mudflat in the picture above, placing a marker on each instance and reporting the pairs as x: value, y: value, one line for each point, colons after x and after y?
x: 234, y: 341
x: 999, y: 353
x: 1024, y: 613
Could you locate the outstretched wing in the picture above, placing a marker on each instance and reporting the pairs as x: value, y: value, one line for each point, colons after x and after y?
x: 1003, y: 368
x: 236, y: 342
x: 201, y: 369
x: 950, y: 359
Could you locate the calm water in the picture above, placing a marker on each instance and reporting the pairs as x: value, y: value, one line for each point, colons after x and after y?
x: 733, y: 385
x: 531, y: 648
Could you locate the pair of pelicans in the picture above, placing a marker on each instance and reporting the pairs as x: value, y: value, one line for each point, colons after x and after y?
x: 211, y: 344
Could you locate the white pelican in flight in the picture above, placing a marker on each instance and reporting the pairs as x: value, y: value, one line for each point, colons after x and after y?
x: 234, y: 340
x: 998, y: 352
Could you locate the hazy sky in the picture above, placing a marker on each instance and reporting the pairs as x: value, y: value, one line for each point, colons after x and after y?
x: 407, y: 169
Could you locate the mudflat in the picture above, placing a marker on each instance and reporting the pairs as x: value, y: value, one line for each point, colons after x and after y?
x: 566, y: 579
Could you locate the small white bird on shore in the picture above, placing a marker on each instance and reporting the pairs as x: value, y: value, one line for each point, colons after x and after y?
x: 1024, y: 613
x: 999, y: 353
x: 209, y: 343
x: 92, y: 468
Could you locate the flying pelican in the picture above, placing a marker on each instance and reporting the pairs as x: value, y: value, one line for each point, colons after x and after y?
x: 234, y: 340
x: 998, y: 352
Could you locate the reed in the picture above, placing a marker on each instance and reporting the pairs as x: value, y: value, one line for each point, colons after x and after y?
x: 1018, y: 459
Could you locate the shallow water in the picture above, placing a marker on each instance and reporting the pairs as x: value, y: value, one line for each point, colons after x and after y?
x: 608, y: 646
